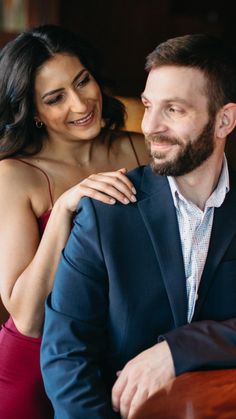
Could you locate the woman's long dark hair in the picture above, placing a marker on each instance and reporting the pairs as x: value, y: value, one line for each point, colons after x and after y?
x: 20, y: 60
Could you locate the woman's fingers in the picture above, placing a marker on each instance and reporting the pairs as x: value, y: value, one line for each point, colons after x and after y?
x: 118, y: 174
x: 95, y: 194
x: 114, y: 184
x: 113, y: 188
x: 107, y: 187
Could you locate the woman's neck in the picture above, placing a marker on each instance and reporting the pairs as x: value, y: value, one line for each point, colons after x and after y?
x: 78, y: 153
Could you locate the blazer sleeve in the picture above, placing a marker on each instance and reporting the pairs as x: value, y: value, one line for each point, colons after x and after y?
x: 203, y: 345
x: 74, y: 342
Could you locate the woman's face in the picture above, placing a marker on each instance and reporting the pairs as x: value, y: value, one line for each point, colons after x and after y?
x: 68, y: 100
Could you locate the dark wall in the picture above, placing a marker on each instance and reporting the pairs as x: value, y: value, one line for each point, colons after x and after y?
x: 125, y: 31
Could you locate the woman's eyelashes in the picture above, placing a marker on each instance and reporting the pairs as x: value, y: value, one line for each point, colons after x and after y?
x: 79, y: 84
x: 82, y: 82
x: 55, y: 99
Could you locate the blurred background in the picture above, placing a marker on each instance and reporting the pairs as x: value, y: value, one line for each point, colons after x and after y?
x: 124, y: 31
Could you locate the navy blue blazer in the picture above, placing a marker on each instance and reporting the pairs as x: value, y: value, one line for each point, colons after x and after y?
x: 120, y: 287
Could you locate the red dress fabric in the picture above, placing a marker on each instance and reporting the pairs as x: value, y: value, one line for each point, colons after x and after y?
x: 22, y: 394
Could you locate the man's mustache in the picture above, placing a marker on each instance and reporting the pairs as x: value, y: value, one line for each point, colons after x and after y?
x: 162, y: 139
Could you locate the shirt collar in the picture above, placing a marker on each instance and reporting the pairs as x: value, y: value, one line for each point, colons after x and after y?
x: 218, y: 195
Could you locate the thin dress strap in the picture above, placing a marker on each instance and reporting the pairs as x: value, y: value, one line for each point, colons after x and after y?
x: 42, y: 171
x: 133, y: 148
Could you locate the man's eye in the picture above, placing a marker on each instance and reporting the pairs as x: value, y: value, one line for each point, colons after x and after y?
x: 175, y: 110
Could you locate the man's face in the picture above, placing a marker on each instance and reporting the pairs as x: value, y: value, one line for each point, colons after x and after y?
x: 178, y: 130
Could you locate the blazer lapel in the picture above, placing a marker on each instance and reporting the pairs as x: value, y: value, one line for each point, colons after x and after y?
x: 158, y: 213
x: 223, y: 230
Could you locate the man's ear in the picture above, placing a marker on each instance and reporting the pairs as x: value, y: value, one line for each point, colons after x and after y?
x: 225, y: 120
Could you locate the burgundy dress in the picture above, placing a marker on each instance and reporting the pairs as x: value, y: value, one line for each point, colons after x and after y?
x: 22, y: 394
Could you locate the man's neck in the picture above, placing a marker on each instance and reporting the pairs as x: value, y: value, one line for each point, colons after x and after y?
x: 198, y: 185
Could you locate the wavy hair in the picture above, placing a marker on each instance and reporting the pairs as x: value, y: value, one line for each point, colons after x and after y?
x: 20, y: 60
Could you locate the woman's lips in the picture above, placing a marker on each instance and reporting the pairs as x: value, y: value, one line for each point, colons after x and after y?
x: 85, y: 120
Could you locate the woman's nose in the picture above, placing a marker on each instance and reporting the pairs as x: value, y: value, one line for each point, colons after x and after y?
x: 78, y: 103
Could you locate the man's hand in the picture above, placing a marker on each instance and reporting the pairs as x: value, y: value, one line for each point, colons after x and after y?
x: 141, y: 377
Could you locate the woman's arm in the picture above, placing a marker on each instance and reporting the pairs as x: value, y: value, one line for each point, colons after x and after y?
x: 28, y: 264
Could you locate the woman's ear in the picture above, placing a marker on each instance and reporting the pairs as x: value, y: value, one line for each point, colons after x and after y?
x: 225, y: 120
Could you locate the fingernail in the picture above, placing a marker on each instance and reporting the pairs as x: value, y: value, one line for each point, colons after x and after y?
x: 112, y: 201
x: 126, y: 201
x: 134, y: 190
x: 133, y: 198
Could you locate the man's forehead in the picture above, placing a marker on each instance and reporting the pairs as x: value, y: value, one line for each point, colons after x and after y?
x: 174, y: 81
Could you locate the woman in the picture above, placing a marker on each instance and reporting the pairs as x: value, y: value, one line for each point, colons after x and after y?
x: 57, y: 128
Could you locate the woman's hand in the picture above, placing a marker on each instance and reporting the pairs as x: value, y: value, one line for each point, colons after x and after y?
x: 107, y: 187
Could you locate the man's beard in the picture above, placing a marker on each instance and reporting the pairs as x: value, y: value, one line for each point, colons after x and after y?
x: 189, y: 157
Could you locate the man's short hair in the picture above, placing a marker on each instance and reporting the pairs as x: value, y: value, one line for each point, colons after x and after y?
x: 207, y: 53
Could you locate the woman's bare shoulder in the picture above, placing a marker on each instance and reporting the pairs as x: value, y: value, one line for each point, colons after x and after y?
x: 23, y: 178
x: 19, y: 171
x: 123, y: 140
x: 23, y: 181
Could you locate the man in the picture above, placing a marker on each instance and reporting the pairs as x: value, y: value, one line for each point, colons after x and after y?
x: 147, y: 291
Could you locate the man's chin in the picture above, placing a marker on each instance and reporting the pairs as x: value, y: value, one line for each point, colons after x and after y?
x: 166, y: 167
x: 161, y: 168
x: 160, y: 157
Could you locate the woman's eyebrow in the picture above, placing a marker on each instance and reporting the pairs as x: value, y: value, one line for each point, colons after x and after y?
x: 52, y: 92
